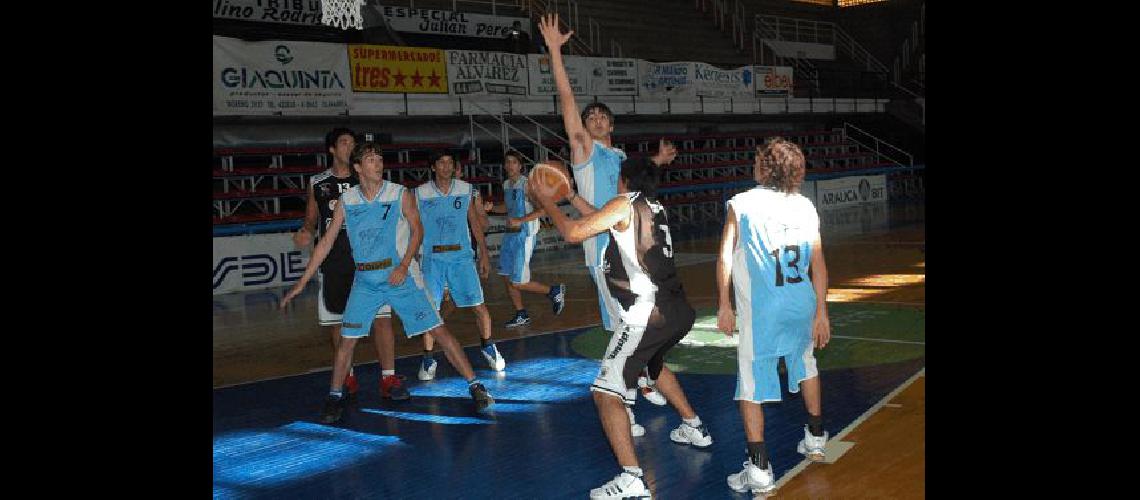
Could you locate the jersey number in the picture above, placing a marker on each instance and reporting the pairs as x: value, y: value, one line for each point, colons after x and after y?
x: 458, y: 204
x: 668, y: 248
x: 794, y: 249
x: 387, y: 208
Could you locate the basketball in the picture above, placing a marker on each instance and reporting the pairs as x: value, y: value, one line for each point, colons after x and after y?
x: 552, y: 174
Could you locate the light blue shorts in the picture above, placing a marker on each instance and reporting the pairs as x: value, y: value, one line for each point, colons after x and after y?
x: 371, y: 291
x: 514, y: 256
x: 460, y: 277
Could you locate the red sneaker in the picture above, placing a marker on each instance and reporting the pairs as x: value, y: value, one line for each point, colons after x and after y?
x: 392, y: 387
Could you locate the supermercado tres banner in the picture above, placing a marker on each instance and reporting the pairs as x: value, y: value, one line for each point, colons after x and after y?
x: 587, y: 75
x: 487, y: 73
x: 446, y: 22
x: 385, y: 68
x: 773, y: 80
x: 307, y: 12
x: 711, y: 81
x: 846, y: 191
x: 279, y: 77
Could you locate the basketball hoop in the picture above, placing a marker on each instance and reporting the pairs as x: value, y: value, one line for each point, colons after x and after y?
x: 342, y: 13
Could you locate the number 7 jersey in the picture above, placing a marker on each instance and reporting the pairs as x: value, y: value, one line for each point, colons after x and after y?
x: 775, y: 232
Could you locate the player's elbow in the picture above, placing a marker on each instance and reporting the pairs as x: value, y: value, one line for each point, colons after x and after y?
x: 575, y: 236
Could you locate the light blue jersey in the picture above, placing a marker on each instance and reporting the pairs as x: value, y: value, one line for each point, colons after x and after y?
x: 376, y: 229
x: 379, y: 235
x: 517, y: 245
x: 597, y: 181
x: 517, y: 203
x: 448, y: 260
x: 444, y: 216
x: 775, y: 299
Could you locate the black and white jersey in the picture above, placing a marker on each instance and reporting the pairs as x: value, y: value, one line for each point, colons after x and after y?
x: 638, y: 263
x: 327, y: 189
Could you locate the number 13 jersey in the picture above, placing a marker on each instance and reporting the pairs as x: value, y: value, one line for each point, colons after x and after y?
x: 775, y: 231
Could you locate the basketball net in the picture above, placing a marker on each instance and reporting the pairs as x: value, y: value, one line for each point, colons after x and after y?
x: 342, y: 13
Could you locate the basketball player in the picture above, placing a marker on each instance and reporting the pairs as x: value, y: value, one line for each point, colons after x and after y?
x: 450, y: 208
x: 652, y: 310
x: 771, y: 252
x: 335, y: 276
x: 383, y: 225
x: 596, y: 165
x: 518, y: 244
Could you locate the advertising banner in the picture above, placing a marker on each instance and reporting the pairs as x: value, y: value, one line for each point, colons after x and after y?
x: 279, y: 78
x: 446, y: 22
x: 478, y: 72
x: 386, y: 68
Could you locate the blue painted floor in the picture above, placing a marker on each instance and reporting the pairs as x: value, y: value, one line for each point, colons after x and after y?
x: 542, y: 439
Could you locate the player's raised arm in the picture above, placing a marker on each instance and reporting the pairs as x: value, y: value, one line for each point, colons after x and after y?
x: 580, y: 144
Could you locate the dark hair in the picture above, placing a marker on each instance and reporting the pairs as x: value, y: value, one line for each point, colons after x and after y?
x: 332, y: 137
x: 363, y: 148
x: 518, y: 156
x: 640, y: 175
x: 440, y: 153
x: 600, y: 107
x: 782, y: 164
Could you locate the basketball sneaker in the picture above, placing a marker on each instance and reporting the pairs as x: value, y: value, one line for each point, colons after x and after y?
x: 481, y: 396
x: 427, y: 368
x: 350, y: 387
x: 645, y: 388
x: 635, y: 429
x: 392, y: 387
x: 812, y: 447
x: 557, y: 297
x: 334, y: 409
x: 521, y: 318
x: 494, y: 359
x: 753, y: 478
x: 622, y: 486
x: 686, y: 434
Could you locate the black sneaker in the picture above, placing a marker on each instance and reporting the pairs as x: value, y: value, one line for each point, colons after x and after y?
x: 521, y: 318
x: 334, y: 408
x: 482, y: 398
x: 558, y: 297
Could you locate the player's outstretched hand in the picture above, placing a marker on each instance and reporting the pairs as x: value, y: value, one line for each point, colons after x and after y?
x: 553, y: 36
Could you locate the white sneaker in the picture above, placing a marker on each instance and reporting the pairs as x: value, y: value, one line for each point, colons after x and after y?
x: 635, y: 429
x: 648, y: 392
x: 753, y: 478
x: 812, y: 447
x: 623, y: 486
x: 494, y: 359
x: 427, y: 369
x: 686, y: 434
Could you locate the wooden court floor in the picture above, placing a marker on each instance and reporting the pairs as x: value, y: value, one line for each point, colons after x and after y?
x: 252, y: 341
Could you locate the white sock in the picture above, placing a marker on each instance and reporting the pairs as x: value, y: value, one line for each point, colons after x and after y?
x: 693, y: 422
x: 633, y: 471
x: 385, y: 373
